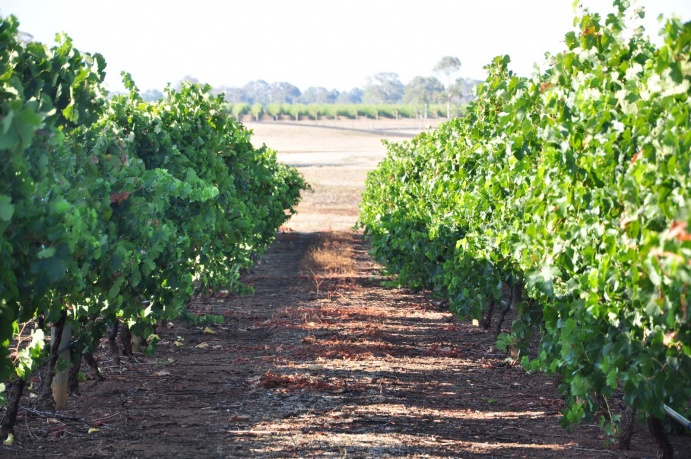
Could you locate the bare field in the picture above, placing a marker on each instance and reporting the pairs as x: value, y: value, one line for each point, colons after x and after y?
x: 353, y: 136
x: 334, y: 157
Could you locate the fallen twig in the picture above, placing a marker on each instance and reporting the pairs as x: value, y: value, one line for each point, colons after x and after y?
x: 48, y: 415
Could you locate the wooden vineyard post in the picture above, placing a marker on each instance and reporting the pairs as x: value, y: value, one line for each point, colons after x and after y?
x: 61, y: 378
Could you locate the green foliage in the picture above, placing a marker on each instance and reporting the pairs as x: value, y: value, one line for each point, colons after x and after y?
x: 256, y: 110
x: 46, y: 225
x: 505, y: 341
x: 238, y: 109
x: 298, y: 111
x: 113, y: 209
x: 203, y: 319
x: 573, y: 183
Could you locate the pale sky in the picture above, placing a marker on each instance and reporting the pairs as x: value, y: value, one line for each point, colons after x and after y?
x: 336, y: 44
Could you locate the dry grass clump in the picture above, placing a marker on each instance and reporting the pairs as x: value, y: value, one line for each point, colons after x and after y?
x: 331, y: 255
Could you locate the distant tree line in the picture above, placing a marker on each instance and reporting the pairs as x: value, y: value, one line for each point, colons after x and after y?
x: 382, y: 88
x: 331, y: 111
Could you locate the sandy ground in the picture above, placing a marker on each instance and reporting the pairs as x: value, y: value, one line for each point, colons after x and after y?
x: 334, y: 157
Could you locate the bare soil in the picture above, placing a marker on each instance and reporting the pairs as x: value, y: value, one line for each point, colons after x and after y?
x: 318, y: 362
x: 334, y: 157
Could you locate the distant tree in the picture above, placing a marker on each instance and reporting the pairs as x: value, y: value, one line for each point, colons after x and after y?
x: 319, y: 95
x: 274, y: 110
x: 423, y: 90
x: 151, y: 95
x: 464, y: 88
x: 448, y: 66
x: 257, y: 92
x: 239, y: 109
x: 232, y: 95
x: 190, y: 79
x: 256, y: 110
x: 310, y: 95
x: 354, y: 96
x: 185, y: 79
x: 383, y: 88
x: 333, y: 96
x: 283, y: 92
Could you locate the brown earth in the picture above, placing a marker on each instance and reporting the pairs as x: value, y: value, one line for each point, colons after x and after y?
x: 334, y: 157
x: 322, y: 360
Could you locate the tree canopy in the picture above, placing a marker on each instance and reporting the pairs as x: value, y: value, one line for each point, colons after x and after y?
x: 381, y: 88
x: 423, y: 90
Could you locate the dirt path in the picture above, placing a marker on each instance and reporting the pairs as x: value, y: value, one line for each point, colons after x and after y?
x: 317, y: 363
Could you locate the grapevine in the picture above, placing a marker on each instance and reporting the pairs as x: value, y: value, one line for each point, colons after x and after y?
x: 113, y: 210
x: 572, y: 185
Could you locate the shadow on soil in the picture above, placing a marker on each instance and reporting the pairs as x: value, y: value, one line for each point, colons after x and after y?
x: 316, y: 365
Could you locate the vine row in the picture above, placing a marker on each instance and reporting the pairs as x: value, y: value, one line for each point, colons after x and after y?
x: 113, y: 210
x: 568, y: 195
